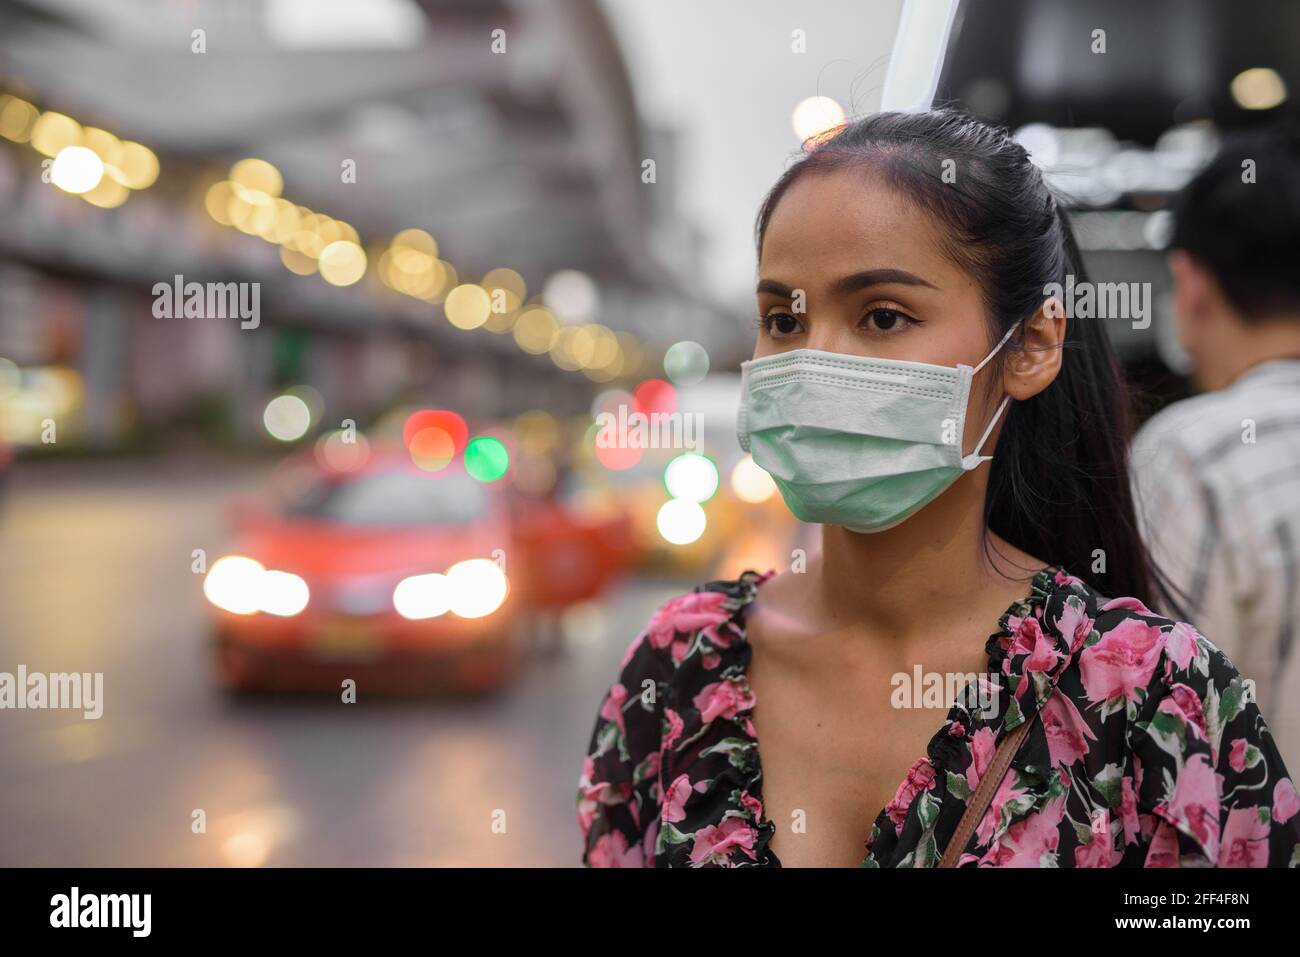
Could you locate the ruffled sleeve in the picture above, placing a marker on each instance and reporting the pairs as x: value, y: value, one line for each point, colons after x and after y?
x: 618, y: 792
x: 1210, y: 789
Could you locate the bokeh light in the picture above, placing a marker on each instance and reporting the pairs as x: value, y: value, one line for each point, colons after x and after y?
x: 76, y: 169
x: 54, y: 132
x: 282, y: 594
x: 478, y: 587
x: 486, y: 458
x: 536, y: 330
x: 342, y: 451
x: 681, y: 521
x: 570, y: 295
x: 655, y: 395
x: 750, y: 482
x: 431, y: 449
x: 815, y: 117
x: 287, y: 418
x: 686, y: 363
x: 467, y: 306
x: 342, y: 263
x: 450, y: 423
x: 1259, y: 88
x: 691, y: 476
x: 259, y: 175
x: 422, y: 596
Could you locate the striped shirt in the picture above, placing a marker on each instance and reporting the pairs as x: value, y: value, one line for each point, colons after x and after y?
x: 1217, y: 479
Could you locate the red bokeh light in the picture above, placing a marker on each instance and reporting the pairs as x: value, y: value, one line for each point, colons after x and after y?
x: 443, y: 419
x: 655, y: 395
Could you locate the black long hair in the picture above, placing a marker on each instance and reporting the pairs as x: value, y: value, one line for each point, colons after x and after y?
x: 1059, y: 485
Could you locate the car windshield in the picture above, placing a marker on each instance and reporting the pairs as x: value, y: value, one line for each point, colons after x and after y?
x: 394, y: 498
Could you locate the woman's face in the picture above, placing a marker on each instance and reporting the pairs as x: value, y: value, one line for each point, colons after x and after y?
x: 874, y: 279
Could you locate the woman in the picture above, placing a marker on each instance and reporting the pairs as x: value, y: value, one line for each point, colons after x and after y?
x: 903, y: 266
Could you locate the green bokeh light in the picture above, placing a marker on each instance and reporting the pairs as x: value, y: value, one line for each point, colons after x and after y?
x: 486, y: 458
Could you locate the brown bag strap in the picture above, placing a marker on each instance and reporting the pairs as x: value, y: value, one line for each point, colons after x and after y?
x: 983, y: 796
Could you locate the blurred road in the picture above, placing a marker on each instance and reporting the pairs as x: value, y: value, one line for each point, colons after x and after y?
x: 95, y: 576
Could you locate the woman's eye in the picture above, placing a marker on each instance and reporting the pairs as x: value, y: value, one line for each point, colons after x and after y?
x: 780, y: 324
x: 887, y: 320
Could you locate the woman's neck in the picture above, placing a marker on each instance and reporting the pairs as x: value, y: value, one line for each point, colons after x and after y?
x: 941, y: 560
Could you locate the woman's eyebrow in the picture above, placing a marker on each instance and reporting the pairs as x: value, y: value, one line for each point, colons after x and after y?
x: 854, y: 282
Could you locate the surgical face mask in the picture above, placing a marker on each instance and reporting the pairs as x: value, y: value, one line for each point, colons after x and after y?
x: 858, y: 441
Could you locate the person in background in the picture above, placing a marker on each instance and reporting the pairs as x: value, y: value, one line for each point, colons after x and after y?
x: 1217, y: 476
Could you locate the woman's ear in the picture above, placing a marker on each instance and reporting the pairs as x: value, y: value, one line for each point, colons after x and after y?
x: 1035, y: 358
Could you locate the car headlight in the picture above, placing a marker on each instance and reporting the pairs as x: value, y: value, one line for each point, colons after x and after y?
x: 422, y: 596
x: 244, y: 586
x: 232, y: 584
x: 470, y: 589
x: 478, y: 587
x: 283, y: 594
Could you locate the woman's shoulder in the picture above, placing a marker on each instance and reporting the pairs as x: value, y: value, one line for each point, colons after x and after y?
x: 1154, y: 714
x: 1178, y: 693
x: 698, y: 626
x: 1124, y: 649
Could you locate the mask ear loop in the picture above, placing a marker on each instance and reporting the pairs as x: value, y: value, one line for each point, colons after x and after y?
x: 996, y: 350
x: 969, y: 462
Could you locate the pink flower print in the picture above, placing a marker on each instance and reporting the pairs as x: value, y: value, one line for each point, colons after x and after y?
x: 683, y: 616
x: 1075, y: 625
x: 1195, y: 807
x: 611, y: 850
x: 1007, y: 792
x: 1237, y: 755
x: 1163, y: 849
x: 675, y: 726
x: 713, y: 843
x: 1101, y: 851
x: 1245, y: 839
x: 1067, y: 732
x: 1121, y: 663
x: 920, y: 777
x: 675, y: 796
x: 722, y: 699
x: 1027, y: 842
x: 1285, y: 800
x: 1044, y: 657
x: 982, y: 750
x: 1128, y: 813
x: 1184, y: 703
x: 612, y: 708
x: 1131, y: 604
x: 1026, y: 633
x: 1061, y: 578
x: 1180, y: 644
x: 648, y: 843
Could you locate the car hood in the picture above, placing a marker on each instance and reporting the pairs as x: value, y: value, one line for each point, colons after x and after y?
x: 326, y: 552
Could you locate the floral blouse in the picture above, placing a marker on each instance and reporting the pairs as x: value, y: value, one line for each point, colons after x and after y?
x: 1150, y: 751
